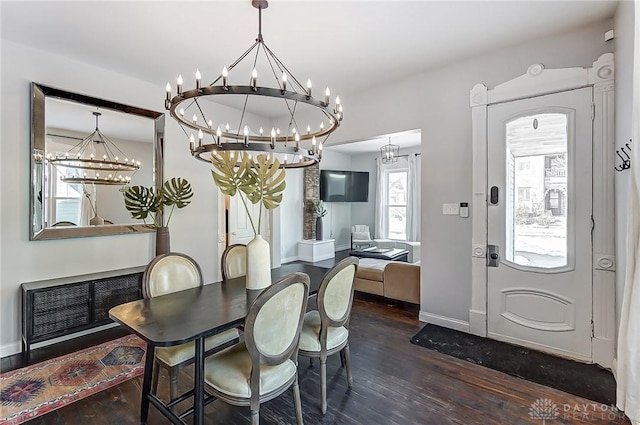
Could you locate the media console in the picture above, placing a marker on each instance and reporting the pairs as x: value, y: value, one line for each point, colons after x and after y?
x: 59, y: 307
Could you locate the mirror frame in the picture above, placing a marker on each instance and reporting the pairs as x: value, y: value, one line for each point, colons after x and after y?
x: 39, y: 93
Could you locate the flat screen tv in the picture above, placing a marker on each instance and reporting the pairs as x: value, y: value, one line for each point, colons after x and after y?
x: 344, y: 186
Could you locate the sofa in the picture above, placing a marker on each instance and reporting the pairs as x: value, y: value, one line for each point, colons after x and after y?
x: 390, y: 279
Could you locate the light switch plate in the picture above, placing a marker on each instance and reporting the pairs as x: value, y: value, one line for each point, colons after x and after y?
x: 450, y: 209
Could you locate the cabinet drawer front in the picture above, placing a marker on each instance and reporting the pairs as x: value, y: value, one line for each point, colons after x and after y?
x: 58, y: 309
x: 111, y: 292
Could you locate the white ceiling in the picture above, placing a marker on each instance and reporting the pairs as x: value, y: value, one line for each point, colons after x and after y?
x: 404, y: 140
x: 346, y: 45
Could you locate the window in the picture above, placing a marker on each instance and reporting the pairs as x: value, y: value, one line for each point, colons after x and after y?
x: 524, y: 194
x: 396, y: 208
x: 67, y: 197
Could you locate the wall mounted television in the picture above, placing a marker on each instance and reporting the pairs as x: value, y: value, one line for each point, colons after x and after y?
x: 344, y: 186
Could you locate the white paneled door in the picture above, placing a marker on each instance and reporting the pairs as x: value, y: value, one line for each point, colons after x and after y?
x: 539, y: 291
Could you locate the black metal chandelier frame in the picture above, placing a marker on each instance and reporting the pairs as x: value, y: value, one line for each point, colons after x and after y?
x: 80, y: 158
x: 274, y: 142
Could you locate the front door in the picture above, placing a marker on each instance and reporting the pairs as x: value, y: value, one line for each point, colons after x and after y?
x: 240, y: 229
x: 539, y: 276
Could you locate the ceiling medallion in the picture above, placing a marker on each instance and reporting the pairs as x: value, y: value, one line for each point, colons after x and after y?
x: 269, y: 116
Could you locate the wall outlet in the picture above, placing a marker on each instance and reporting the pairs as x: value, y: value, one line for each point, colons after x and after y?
x: 450, y: 209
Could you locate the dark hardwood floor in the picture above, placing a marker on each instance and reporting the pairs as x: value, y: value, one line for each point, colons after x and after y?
x: 395, y: 382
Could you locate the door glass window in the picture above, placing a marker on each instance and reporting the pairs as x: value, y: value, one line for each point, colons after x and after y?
x: 536, y: 189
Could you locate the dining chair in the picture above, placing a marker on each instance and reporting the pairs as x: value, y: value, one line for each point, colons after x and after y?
x: 266, y: 364
x: 326, y: 330
x: 234, y: 261
x: 169, y: 273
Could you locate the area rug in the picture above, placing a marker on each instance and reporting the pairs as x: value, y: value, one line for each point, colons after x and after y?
x: 40, y: 388
x: 584, y: 380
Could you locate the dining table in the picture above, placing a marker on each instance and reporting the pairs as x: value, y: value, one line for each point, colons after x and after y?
x: 193, y: 315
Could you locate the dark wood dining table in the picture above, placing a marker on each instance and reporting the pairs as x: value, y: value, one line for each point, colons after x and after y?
x: 193, y: 315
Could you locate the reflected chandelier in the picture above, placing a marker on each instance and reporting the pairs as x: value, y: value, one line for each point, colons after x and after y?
x: 390, y: 153
x: 95, y: 160
x: 295, y: 144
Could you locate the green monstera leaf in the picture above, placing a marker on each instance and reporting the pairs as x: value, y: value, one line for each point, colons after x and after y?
x: 269, y: 182
x: 143, y: 202
x: 140, y: 201
x: 260, y: 180
x: 228, y: 175
x: 177, y: 191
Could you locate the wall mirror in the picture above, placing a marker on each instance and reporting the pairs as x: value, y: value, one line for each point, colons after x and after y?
x: 84, y: 150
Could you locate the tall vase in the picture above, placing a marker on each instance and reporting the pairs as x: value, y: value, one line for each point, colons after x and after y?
x: 163, y: 245
x: 318, y: 228
x: 258, y: 263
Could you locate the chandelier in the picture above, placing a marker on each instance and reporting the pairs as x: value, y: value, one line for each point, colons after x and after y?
x: 95, y: 160
x: 389, y: 153
x: 269, y: 121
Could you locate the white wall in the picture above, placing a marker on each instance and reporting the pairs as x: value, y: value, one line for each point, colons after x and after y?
x: 291, y: 215
x: 193, y: 230
x: 337, y: 223
x: 624, y: 31
x: 364, y: 212
x: 437, y: 102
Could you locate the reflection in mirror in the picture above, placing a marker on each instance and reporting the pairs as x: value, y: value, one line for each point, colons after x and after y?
x: 85, y: 150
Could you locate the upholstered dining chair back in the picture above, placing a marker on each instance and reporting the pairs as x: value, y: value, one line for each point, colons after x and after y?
x: 169, y: 273
x: 272, y: 327
x: 335, y: 296
x: 234, y: 261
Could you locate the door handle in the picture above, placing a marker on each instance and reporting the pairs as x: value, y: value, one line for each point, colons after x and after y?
x: 493, y: 255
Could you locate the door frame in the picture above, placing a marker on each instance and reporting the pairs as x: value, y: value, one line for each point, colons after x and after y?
x: 538, y: 81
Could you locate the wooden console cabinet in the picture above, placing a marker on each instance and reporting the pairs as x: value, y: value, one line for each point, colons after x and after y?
x: 58, y: 307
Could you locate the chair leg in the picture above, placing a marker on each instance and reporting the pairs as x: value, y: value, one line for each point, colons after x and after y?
x: 310, y: 361
x: 173, y: 385
x: 297, y: 403
x: 255, y: 417
x: 347, y: 364
x: 342, y: 357
x: 323, y: 384
x: 154, y: 378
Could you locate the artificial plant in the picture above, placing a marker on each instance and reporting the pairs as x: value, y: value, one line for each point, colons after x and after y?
x: 318, y: 209
x: 144, y: 202
x: 259, y: 180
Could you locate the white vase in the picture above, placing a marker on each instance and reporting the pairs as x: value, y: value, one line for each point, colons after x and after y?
x: 258, y: 263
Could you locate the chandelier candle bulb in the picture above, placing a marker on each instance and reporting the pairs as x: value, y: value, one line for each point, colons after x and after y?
x: 273, y: 138
x: 192, y: 142
x: 198, y: 78
x: 246, y: 136
x: 284, y: 82
x: 297, y: 141
x: 194, y: 119
x: 261, y: 131
x: 168, y: 88
x: 210, y: 124
x: 327, y: 94
x: 308, y: 88
x: 254, y: 79
x: 309, y: 129
x: 225, y: 74
x: 179, y: 83
x: 219, y: 135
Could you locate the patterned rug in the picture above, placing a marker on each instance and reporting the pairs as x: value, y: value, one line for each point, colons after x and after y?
x: 40, y: 388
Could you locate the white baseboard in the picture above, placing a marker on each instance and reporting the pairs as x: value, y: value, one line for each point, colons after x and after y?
x: 289, y: 259
x: 16, y: 347
x: 10, y: 349
x: 447, y: 322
